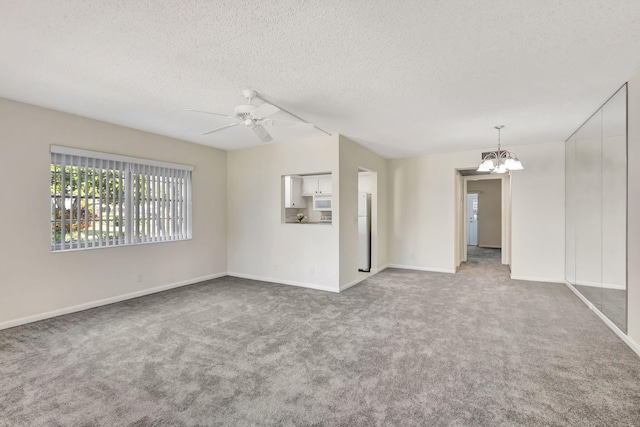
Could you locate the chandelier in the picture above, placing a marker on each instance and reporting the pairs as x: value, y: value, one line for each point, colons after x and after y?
x: 500, y: 161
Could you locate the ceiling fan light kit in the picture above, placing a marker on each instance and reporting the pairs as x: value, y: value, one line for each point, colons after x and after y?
x: 255, y: 117
x: 500, y: 161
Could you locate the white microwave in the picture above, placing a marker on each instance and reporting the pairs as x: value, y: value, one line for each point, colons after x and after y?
x: 322, y: 202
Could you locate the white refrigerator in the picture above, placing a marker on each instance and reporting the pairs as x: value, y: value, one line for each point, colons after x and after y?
x: 364, y: 232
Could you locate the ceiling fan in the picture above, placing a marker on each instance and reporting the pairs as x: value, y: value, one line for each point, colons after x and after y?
x: 255, y: 117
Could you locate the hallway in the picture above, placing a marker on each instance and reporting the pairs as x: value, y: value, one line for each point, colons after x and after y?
x: 483, y: 256
x: 483, y: 260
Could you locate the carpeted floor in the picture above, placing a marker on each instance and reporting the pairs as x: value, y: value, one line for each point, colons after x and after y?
x: 484, y: 257
x: 402, y: 348
x: 611, y: 302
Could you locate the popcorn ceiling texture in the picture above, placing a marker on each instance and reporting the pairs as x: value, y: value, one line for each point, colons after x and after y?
x: 401, y: 77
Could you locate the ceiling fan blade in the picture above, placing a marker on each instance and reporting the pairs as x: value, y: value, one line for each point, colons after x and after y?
x: 265, y: 110
x: 293, y: 124
x: 221, y: 127
x: 212, y: 113
x: 262, y: 133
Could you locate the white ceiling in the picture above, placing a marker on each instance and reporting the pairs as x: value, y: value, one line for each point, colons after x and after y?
x: 400, y: 77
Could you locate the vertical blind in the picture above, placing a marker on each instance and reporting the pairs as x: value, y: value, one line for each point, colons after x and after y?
x: 100, y: 200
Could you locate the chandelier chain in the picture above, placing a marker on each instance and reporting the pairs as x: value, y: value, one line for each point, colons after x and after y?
x: 499, y: 127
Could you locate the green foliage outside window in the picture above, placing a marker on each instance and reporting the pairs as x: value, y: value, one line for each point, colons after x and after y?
x: 79, y: 194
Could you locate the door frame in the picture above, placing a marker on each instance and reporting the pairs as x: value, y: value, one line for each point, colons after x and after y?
x: 461, y: 210
x: 374, y: 217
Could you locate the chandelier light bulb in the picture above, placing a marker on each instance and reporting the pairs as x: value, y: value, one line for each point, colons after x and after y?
x: 486, y: 166
x: 510, y: 164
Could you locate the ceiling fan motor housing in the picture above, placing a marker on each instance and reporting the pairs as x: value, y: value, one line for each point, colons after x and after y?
x: 245, y: 111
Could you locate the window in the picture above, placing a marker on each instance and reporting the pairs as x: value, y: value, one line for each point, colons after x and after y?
x: 100, y: 200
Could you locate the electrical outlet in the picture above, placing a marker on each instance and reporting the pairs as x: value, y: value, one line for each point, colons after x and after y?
x: 312, y: 271
x: 275, y: 267
x: 140, y: 277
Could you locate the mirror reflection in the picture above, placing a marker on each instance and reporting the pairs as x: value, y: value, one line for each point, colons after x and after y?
x: 614, y: 208
x: 588, y: 219
x: 596, y: 194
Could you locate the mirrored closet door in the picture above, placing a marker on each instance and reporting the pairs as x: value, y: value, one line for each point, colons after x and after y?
x: 596, y: 209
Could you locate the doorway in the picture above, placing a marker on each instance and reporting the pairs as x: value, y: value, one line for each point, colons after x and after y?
x: 367, y: 220
x: 483, y: 232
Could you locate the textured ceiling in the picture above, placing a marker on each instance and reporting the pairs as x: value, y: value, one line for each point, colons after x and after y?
x: 400, y: 77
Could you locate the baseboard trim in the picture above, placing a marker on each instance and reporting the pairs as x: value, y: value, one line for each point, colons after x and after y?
x: 378, y: 270
x: 413, y: 267
x: 624, y: 337
x: 355, y: 282
x: 105, y: 301
x: 283, y: 282
x: 602, y: 285
x: 616, y: 287
x: 373, y: 272
x: 537, y: 279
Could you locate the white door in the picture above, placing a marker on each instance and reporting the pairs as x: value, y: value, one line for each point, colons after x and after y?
x: 472, y: 219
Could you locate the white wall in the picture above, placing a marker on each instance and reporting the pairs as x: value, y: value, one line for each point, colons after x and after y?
x: 633, y: 217
x: 353, y: 157
x: 421, y: 203
x: 260, y: 246
x: 422, y: 211
x: 537, y: 214
x: 33, y: 280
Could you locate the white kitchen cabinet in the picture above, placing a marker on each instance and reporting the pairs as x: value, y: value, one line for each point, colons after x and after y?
x: 325, y: 185
x: 309, y: 186
x: 293, y: 192
x: 321, y: 184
